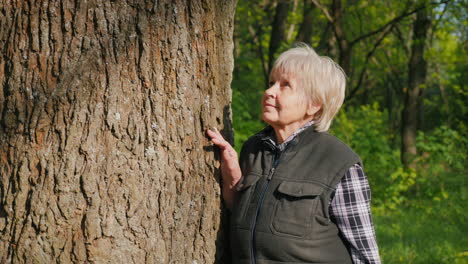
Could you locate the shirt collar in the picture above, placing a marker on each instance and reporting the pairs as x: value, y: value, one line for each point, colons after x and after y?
x: 283, y: 145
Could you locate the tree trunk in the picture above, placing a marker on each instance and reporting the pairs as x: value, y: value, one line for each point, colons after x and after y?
x: 416, y: 79
x: 306, y: 27
x: 343, y: 44
x: 278, y: 30
x: 103, y: 107
x: 292, y: 26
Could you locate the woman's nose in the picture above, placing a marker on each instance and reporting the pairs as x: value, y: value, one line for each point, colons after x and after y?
x: 271, y: 92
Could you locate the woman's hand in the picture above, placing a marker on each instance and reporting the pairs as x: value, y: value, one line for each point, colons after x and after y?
x: 230, y: 168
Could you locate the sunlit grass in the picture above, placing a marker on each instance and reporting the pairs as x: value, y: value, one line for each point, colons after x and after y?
x: 425, y: 231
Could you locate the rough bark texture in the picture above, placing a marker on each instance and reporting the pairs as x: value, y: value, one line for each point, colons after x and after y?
x: 103, y: 106
x: 417, y: 67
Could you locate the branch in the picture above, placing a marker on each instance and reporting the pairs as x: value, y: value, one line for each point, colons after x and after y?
x: 368, y: 57
x: 400, y: 37
x: 395, y: 74
x: 437, y: 22
x: 323, y: 39
x: 394, y: 21
x: 257, y: 42
x: 293, y: 25
x: 324, y: 10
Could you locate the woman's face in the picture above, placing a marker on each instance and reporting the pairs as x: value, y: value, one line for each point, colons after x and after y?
x: 284, y: 103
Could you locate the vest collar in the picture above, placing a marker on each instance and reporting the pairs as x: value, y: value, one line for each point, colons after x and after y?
x: 267, y: 137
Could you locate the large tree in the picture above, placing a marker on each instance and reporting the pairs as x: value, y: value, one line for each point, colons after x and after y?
x: 103, y: 107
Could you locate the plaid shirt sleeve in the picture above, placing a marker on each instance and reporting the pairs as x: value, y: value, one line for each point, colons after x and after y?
x: 350, y: 210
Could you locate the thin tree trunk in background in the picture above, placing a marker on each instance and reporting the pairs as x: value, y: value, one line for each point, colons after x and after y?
x: 327, y: 44
x: 278, y: 30
x: 343, y: 44
x: 292, y: 26
x: 390, y: 103
x: 421, y: 121
x: 417, y: 67
x: 306, y: 27
x: 257, y: 43
x: 103, y: 107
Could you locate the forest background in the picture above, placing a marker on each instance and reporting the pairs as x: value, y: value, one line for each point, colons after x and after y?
x: 404, y: 112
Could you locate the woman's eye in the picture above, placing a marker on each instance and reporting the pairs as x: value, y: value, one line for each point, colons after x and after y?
x: 271, y: 83
x: 286, y: 84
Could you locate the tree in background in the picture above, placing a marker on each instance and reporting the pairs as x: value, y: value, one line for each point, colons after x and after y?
x: 103, y: 107
x: 417, y: 67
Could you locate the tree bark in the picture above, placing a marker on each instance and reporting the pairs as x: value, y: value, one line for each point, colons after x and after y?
x: 417, y: 67
x: 103, y: 107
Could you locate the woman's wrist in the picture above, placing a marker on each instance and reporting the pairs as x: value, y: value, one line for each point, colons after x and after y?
x: 231, y: 184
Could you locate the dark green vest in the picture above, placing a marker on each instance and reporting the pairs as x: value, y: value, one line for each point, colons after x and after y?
x: 281, y: 215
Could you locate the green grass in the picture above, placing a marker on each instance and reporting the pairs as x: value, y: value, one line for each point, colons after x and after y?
x: 425, y: 231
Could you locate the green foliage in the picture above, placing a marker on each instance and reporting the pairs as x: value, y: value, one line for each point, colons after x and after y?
x: 246, y: 120
x: 247, y: 92
x: 443, y: 151
x: 401, y: 181
x: 442, y: 145
x: 365, y: 129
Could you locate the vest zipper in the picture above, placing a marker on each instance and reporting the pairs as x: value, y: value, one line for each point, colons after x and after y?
x: 260, y: 203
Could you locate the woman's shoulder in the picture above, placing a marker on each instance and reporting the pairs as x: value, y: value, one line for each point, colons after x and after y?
x: 261, y: 135
x: 254, y: 141
x: 332, y: 143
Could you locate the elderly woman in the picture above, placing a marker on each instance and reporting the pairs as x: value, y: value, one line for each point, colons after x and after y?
x: 297, y: 193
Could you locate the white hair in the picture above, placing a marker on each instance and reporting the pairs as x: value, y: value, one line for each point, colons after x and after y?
x: 321, y: 80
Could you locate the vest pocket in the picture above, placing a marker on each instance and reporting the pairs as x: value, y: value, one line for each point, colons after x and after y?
x: 295, y: 206
x: 243, y: 197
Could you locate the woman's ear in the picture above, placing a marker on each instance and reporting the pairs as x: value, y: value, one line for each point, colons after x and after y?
x: 313, y: 108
